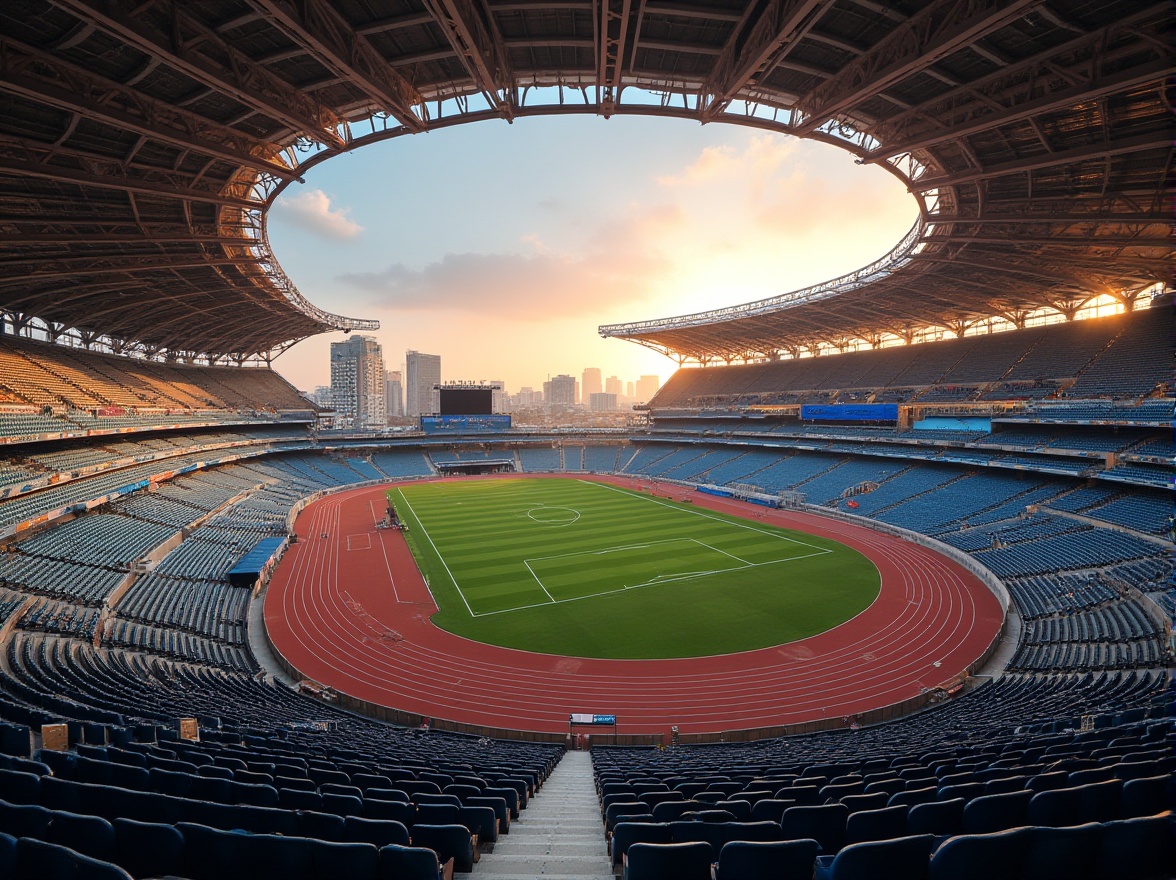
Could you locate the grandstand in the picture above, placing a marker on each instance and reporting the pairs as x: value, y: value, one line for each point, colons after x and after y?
x: 148, y: 444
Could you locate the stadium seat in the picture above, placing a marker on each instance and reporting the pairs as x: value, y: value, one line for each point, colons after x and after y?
x: 770, y: 860
x: 658, y: 861
x: 905, y: 857
x: 824, y: 824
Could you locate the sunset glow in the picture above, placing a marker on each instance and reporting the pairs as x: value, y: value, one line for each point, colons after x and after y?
x: 503, y: 247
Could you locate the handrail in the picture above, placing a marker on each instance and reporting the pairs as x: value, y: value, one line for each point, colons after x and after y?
x: 898, y: 256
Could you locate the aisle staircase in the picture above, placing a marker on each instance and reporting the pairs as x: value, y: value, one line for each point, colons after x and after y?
x: 560, y: 835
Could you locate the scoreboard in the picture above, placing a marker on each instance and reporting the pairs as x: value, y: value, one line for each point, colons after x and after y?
x: 466, y: 401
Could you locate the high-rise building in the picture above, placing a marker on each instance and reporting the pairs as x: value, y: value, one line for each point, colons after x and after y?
x: 321, y: 395
x: 629, y: 390
x: 394, y: 393
x: 612, y: 385
x: 560, y: 391
x: 647, y: 387
x: 498, y: 402
x: 601, y: 401
x: 357, y: 382
x: 590, y: 383
x: 422, y: 372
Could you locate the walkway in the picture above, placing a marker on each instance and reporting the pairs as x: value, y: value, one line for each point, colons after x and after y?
x: 559, y: 836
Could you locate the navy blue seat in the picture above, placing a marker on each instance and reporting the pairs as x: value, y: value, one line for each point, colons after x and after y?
x: 905, y: 857
x: 614, y: 812
x: 482, y: 822
x: 767, y: 860
x: 770, y: 809
x: 148, y: 849
x: 1138, y: 849
x: 449, y: 842
x: 24, y: 820
x: 1093, y: 802
x: 292, y: 799
x: 38, y: 860
x: 873, y: 801
x: 824, y: 824
x: 995, y: 812
x: 342, y: 804
x: 627, y: 833
x: 881, y: 824
x: 1063, y: 853
x: 498, y: 806
x: 384, y: 794
x: 913, y: 796
x: 1146, y: 796
x: 980, y: 856
x: 408, y: 863
x: 378, y: 832
x: 18, y: 787
x: 90, y: 835
x: 321, y: 826
x: 659, y: 861
x: 740, y: 810
x: 937, y: 817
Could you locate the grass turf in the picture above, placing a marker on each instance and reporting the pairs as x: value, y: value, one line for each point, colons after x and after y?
x: 564, y: 566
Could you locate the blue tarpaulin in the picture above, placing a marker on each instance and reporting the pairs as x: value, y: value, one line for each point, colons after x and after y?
x: 250, y: 566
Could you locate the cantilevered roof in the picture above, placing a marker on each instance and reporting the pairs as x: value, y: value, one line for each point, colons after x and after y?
x: 141, y: 144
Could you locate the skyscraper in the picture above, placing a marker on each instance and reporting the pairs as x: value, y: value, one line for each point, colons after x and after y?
x: 421, y: 373
x: 590, y: 383
x: 612, y: 385
x: 647, y: 387
x: 357, y: 382
x: 560, y: 391
x: 394, y: 393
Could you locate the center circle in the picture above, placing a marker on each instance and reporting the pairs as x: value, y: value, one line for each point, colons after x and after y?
x: 554, y: 516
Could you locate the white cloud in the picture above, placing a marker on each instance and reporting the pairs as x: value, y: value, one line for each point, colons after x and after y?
x: 619, y: 262
x: 311, y: 210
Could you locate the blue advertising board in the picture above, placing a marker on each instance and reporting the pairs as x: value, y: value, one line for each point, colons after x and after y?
x: 850, y: 412
x: 463, y: 424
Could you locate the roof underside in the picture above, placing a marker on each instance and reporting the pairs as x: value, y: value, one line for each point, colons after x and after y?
x: 139, y: 151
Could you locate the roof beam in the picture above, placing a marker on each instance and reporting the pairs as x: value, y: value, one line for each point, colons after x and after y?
x: 989, y: 88
x: 930, y: 35
x: 83, y: 93
x: 188, y: 48
x: 472, y: 32
x: 89, y: 238
x: 757, y: 44
x: 335, y: 44
x: 122, y: 184
x: 1153, y: 71
x: 91, y: 271
x: 1140, y: 143
x: 1093, y: 218
x: 614, y: 20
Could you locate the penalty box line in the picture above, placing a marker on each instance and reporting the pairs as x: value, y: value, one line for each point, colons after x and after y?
x: 682, y: 509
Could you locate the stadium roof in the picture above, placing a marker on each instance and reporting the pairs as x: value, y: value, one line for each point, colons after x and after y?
x: 140, y: 146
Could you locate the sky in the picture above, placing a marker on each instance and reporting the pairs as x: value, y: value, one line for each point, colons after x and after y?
x: 502, y: 247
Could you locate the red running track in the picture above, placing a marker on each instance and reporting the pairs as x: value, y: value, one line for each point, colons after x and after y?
x: 358, y: 620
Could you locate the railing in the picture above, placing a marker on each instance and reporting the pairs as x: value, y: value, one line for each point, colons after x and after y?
x: 898, y: 257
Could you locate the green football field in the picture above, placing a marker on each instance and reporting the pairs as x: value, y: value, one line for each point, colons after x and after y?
x: 565, y: 566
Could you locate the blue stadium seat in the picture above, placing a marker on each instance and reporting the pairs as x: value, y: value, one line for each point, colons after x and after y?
x: 658, y: 861
x: 767, y: 860
x: 905, y: 857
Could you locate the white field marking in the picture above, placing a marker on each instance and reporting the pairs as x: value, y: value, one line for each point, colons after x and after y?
x: 367, y: 542
x: 725, y: 553
x: 530, y: 514
x: 539, y: 582
x: 696, y: 512
x: 617, y: 549
x: 429, y: 537
x: 656, y: 582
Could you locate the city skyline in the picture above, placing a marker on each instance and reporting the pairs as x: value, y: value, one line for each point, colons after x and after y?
x: 696, y: 217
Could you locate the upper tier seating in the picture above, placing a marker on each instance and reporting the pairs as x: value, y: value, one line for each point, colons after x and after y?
x: 1100, y: 357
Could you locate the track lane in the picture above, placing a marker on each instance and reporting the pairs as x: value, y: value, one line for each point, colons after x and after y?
x: 358, y: 620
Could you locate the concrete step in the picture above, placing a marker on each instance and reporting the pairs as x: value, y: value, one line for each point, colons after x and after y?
x: 560, y: 835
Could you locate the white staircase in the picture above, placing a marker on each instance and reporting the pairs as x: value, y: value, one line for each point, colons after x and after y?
x: 559, y: 836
